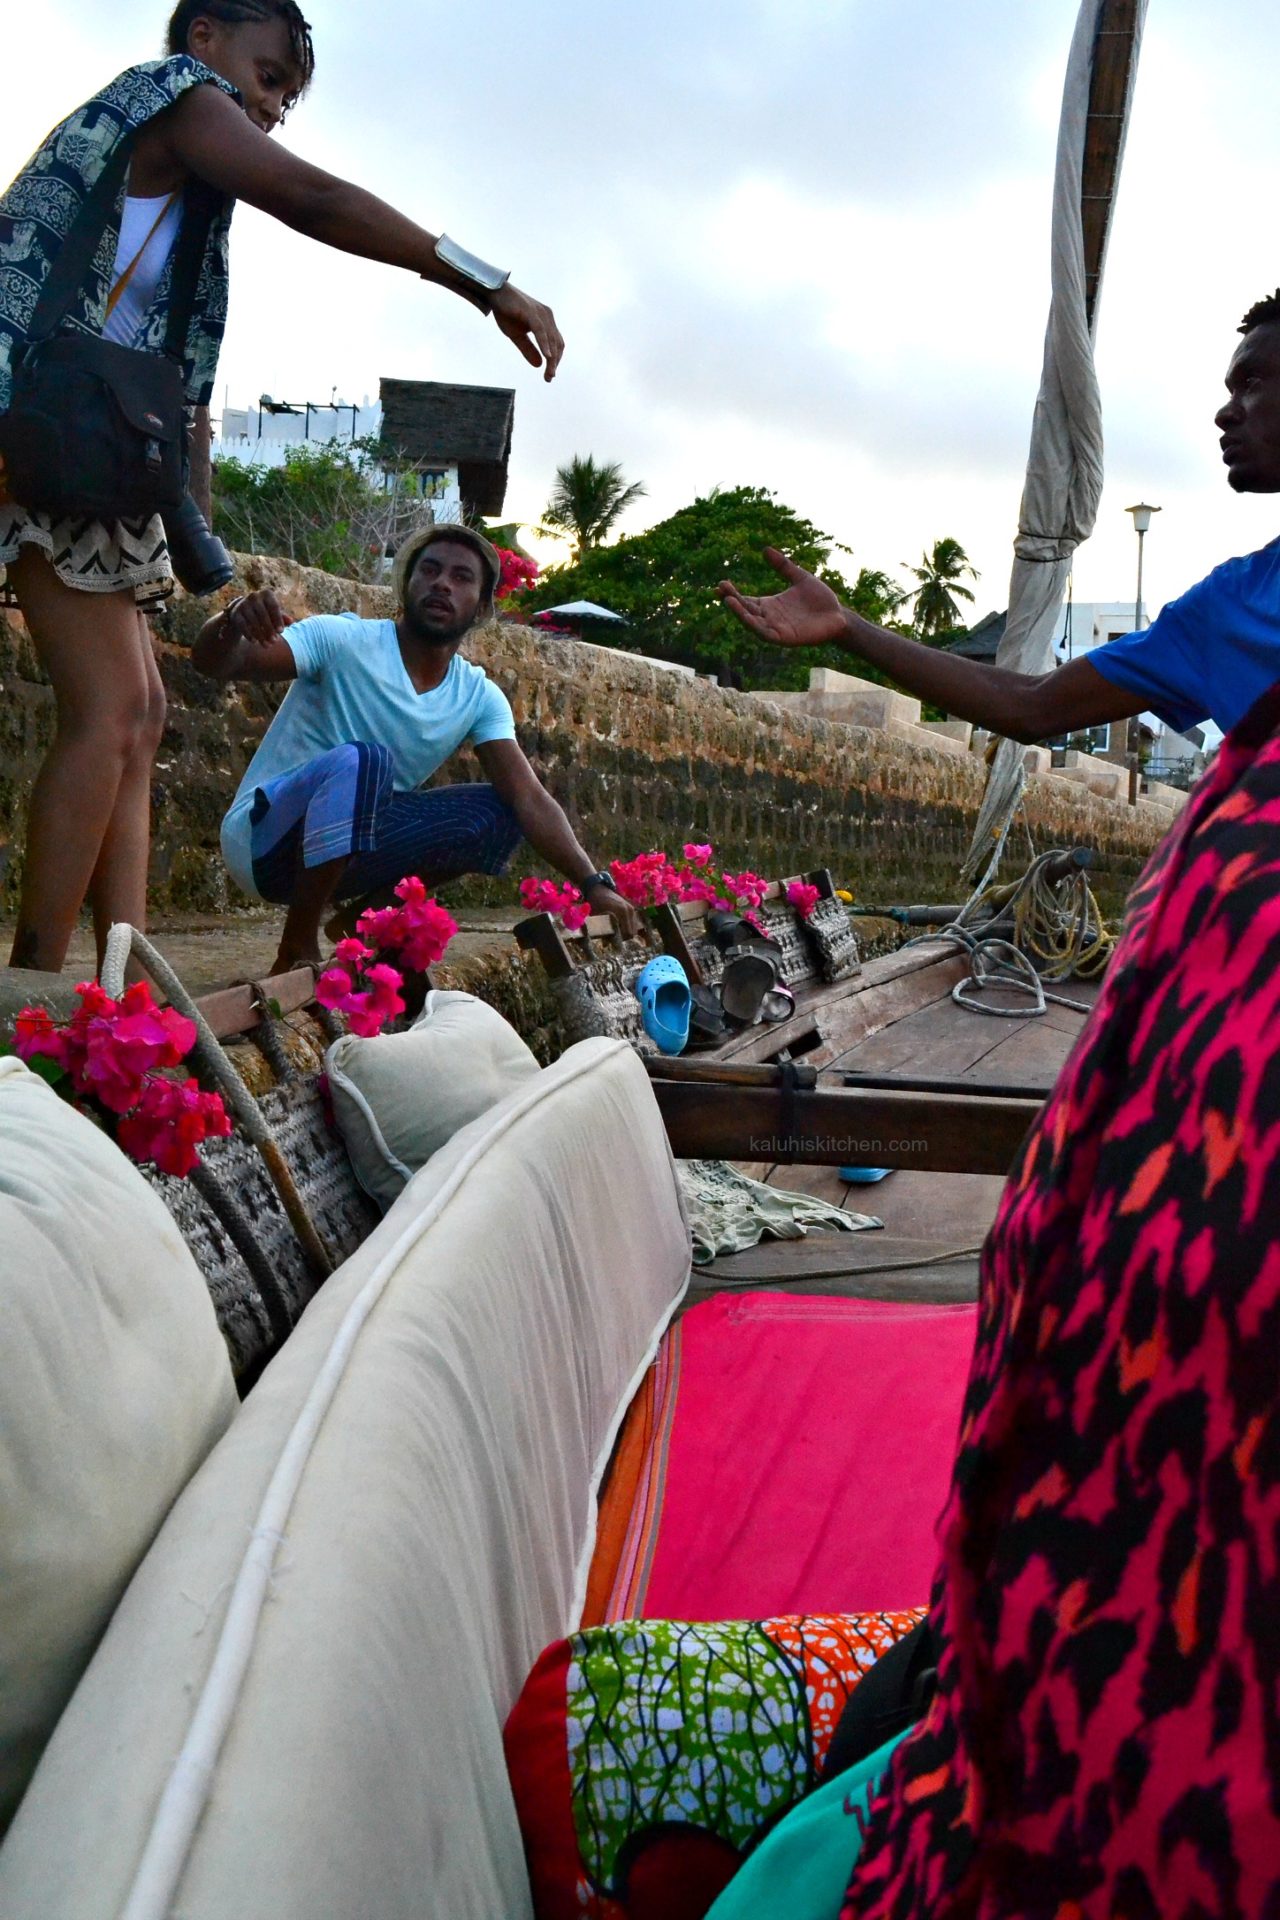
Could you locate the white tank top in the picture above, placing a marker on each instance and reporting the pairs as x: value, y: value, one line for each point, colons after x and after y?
x: 136, y: 222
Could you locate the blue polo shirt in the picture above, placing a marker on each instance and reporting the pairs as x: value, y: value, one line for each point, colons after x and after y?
x: 1209, y: 655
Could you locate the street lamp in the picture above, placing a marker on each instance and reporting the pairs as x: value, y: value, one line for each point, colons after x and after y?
x: 1141, y: 521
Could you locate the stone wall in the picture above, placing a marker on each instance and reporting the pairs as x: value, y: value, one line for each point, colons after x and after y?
x: 639, y: 756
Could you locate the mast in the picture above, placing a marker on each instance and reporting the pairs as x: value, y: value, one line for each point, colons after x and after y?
x: 1064, y: 464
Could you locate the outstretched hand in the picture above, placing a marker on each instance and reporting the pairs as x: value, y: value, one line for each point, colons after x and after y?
x: 805, y: 614
x: 531, y: 327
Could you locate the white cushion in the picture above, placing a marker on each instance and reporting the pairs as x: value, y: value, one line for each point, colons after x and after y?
x: 115, y: 1384
x: 302, y: 1693
x: 398, y: 1099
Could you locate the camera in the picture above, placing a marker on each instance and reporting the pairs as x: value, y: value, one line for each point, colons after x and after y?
x: 199, y: 559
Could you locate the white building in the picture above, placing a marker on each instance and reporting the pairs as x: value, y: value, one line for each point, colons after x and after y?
x: 1084, y: 626
x: 262, y: 436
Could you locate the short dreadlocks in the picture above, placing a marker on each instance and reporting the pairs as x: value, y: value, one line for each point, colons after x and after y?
x: 1264, y: 314
x: 234, y: 12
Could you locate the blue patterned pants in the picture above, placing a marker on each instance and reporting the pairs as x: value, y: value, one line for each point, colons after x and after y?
x: 342, y: 802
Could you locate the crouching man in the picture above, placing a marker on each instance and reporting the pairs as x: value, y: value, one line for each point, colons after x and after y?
x: 332, y: 806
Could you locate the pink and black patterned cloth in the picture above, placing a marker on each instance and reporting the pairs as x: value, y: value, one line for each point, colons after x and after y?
x: 1105, y: 1739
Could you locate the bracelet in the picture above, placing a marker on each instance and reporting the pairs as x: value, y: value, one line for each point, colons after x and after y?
x: 485, y: 280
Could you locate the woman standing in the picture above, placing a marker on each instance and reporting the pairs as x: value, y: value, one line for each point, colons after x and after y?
x: 195, y: 127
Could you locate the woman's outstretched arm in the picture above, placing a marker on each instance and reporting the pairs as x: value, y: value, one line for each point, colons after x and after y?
x: 211, y: 137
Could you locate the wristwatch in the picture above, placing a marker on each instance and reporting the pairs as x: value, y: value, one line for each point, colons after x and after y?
x: 598, y: 879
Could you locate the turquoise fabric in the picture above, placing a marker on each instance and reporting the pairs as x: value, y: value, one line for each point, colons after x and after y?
x: 352, y: 685
x: 801, y: 1871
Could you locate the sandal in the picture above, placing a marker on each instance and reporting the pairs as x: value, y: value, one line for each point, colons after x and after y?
x: 662, y: 988
x: 746, y: 982
x: 731, y: 933
x: 778, y: 1004
x: 706, y: 1014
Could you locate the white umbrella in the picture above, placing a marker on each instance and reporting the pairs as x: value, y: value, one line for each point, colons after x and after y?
x: 1064, y: 465
x: 581, y: 610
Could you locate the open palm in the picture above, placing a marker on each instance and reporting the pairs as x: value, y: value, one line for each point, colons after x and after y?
x: 805, y: 614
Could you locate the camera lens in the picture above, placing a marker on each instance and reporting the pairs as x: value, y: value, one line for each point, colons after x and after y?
x: 199, y: 559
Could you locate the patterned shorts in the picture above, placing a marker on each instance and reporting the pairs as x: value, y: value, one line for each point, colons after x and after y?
x: 91, y: 555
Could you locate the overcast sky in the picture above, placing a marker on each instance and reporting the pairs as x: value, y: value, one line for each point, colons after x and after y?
x: 800, y: 244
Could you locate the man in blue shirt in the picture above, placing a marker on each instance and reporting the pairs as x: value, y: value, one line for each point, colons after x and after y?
x: 1209, y: 655
x: 332, y: 806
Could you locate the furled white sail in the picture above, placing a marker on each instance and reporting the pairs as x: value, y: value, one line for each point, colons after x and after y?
x: 1064, y: 466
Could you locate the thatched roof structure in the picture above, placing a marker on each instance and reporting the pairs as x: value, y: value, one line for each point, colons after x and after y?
x: 980, y: 642
x: 429, y: 423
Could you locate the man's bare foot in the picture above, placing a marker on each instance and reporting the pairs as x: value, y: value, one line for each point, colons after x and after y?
x: 287, y: 959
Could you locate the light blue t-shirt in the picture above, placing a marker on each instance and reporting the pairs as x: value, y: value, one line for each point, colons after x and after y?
x: 1209, y: 655
x: 352, y: 685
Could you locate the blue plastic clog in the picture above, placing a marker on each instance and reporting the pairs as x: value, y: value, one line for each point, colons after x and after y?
x: 662, y: 988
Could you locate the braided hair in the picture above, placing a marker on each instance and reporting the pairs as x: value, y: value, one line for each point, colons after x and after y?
x: 234, y: 12
x: 1264, y: 313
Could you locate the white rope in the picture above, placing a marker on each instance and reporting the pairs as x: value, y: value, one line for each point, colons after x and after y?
x: 1056, y: 924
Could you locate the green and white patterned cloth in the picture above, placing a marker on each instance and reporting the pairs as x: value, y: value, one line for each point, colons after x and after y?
x: 729, y: 1211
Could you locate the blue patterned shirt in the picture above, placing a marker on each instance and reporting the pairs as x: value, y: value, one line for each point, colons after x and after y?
x: 39, y: 209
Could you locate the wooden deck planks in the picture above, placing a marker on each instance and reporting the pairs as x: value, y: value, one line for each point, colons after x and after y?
x: 867, y: 1266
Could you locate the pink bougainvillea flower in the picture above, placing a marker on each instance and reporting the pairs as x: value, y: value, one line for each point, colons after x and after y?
x: 352, y: 953
x: 123, y: 1043
x: 561, y: 899
x: 334, y: 988
x: 748, y: 889
x: 696, y: 854
x: 543, y: 896
x: 650, y: 880
x: 363, y: 1019
x: 803, y: 897
x: 698, y: 888
x: 427, y: 926
x: 170, y: 1122
x: 517, y: 573
x: 383, y: 985
x: 34, y: 1032
x: 381, y: 927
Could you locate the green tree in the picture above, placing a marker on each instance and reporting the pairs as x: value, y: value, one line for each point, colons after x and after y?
x: 587, y: 501
x: 664, y: 584
x: 936, y: 596
x: 330, y: 506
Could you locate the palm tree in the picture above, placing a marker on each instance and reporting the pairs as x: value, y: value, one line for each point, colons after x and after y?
x: 587, y: 502
x: 940, y: 574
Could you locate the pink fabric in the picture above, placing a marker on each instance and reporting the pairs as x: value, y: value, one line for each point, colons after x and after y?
x: 809, y: 1456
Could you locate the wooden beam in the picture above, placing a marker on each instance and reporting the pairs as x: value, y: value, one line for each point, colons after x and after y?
x: 234, y: 1010
x: 539, y: 934
x: 1109, y: 92
x: 830, y: 1126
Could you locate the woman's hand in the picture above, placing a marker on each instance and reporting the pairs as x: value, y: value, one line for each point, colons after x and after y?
x: 531, y: 326
x: 210, y: 136
x: 805, y: 614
